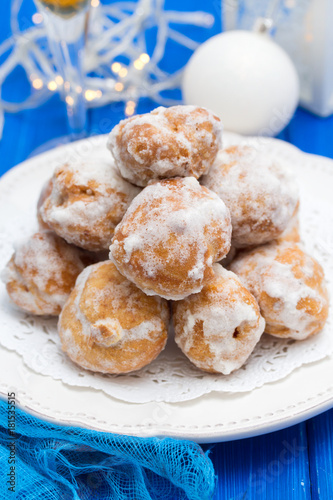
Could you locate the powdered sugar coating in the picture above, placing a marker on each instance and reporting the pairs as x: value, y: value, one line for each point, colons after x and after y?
x: 289, y: 286
x: 108, y: 325
x: 260, y: 193
x: 168, y: 142
x: 292, y: 231
x: 87, y: 200
x: 170, y: 236
x: 219, y: 327
x: 42, y: 272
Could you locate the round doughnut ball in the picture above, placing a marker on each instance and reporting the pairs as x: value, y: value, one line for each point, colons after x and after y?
x: 87, y: 200
x: 42, y: 272
x: 218, y: 328
x: 108, y: 325
x: 168, y: 142
x: 289, y: 286
x: 170, y: 236
x: 260, y: 194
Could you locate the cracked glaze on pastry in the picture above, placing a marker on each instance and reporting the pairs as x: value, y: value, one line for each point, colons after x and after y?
x: 218, y: 328
x: 289, y: 286
x: 168, y: 142
x: 171, y: 235
x: 86, y: 201
x: 42, y: 272
x: 108, y: 325
x: 260, y: 193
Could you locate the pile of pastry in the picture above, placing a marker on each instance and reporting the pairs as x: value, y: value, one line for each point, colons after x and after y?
x: 130, y: 237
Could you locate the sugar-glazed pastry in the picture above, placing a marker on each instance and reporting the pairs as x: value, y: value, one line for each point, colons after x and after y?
x: 260, y: 193
x: 289, y: 286
x: 292, y: 231
x: 168, y: 142
x: 44, y: 194
x: 88, y: 199
x: 170, y: 236
x: 42, y: 272
x: 108, y: 325
x: 218, y: 328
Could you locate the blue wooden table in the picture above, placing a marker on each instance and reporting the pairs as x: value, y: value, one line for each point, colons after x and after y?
x: 295, y: 463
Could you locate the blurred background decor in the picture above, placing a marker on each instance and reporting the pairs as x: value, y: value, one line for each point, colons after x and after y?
x: 246, y: 79
x: 93, y: 53
x: 125, y: 48
x: 303, y: 28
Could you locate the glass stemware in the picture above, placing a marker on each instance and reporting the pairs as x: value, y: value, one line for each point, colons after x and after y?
x: 66, y: 24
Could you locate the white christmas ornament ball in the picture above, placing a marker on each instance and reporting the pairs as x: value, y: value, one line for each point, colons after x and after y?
x: 246, y: 79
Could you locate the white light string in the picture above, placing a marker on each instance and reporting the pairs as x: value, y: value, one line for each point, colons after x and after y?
x: 114, y: 30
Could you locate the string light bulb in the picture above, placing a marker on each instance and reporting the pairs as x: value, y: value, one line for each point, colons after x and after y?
x: 37, y: 18
x: 37, y: 83
x: 52, y: 85
x: 130, y: 108
x: 59, y: 80
x: 138, y: 64
x: 69, y: 100
x: 116, y: 67
x: 144, y: 58
x: 90, y: 94
x: 122, y: 72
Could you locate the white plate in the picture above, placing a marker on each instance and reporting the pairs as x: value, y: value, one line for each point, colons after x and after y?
x: 213, y: 417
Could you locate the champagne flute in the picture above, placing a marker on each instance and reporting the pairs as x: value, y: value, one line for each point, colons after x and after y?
x: 66, y: 22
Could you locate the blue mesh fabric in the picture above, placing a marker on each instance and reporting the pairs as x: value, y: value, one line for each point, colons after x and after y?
x: 56, y: 462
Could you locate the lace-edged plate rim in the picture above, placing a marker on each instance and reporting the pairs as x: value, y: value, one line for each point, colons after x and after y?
x: 198, y: 416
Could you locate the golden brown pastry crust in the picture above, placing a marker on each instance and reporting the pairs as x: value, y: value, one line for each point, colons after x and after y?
x: 86, y: 201
x: 170, y: 237
x: 218, y: 328
x: 108, y: 325
x: 42, y: 272
x: 289, y: 286
x: 168, y: 142
x: 261, y: 194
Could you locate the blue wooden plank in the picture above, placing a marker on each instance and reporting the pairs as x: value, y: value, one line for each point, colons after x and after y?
x: 311, y: 133
x: 272, y: 467
x: 10, y: 152
x: 314, y: 135
x: 320, y: 444
x: 25, y: 131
